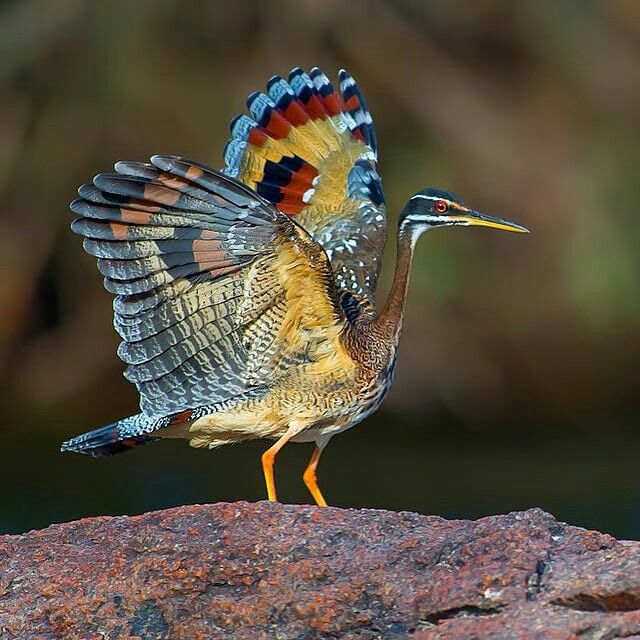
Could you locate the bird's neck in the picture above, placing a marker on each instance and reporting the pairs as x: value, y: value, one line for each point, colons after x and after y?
x: 389, y: 321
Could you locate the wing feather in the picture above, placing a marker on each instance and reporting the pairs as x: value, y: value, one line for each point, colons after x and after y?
x: 312, y: 152
x: 216, y: 291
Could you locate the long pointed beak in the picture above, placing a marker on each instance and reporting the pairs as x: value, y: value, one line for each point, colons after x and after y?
x: 477, y: 219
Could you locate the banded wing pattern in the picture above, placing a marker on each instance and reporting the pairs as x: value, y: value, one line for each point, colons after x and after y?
x: 216, y: 291
x: 312, y: 152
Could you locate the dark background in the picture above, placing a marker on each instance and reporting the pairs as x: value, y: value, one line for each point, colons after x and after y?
x: 518, y: 375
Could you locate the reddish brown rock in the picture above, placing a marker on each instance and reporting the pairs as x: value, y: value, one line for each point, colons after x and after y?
x: 295, y: 572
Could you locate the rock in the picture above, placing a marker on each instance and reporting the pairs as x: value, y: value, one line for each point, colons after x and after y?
x: 293, y: 572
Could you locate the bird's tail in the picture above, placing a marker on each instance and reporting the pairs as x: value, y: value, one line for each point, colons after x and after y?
x: 114, y: 438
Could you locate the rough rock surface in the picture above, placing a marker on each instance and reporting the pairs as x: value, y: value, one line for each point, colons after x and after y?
x: 286, y: 571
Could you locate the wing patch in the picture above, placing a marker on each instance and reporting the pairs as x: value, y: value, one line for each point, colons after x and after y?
x: 312, y: 152
x: 216, y: 290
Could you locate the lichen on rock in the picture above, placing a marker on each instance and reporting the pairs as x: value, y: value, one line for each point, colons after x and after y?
x: 289, y: 571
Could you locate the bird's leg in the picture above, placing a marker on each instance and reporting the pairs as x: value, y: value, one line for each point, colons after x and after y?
x: 309, y: 475
x: 268, y: 459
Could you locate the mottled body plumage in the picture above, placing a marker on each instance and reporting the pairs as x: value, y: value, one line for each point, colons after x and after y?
x: 245, y: 297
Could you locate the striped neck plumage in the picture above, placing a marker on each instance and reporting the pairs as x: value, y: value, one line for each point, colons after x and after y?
x: 390, y: 318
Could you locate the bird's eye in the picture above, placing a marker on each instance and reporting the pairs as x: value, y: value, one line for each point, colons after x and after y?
x: 440, y: 206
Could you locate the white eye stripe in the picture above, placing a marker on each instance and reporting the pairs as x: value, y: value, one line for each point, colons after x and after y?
x: 421, y: 196
x: 452, y: 205
x: 425, y: 219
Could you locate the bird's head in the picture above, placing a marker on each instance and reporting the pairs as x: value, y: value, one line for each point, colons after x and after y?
x: 436, y: 208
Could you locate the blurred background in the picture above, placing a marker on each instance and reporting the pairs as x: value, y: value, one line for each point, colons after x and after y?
x: 518, y: 381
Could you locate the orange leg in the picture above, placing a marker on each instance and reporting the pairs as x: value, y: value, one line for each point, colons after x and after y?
x: 309, y: 477
x: 268, y: 459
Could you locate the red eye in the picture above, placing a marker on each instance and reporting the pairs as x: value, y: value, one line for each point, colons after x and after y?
x: 440, y: 206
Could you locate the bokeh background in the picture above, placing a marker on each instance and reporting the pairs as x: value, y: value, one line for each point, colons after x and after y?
x: 518, y: 375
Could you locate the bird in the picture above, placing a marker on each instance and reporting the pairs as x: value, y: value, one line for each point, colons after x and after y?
x: 245, y: 297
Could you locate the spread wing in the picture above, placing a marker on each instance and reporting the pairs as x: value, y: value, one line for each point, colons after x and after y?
x: 216, y: 291
x: 312, y: 153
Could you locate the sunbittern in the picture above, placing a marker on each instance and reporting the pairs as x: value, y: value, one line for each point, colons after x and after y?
x: 245, y: 297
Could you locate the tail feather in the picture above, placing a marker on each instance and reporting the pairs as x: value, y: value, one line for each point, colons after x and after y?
x: 114, y: 438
